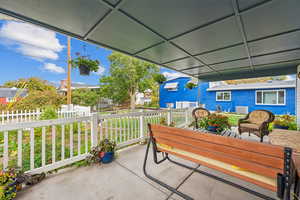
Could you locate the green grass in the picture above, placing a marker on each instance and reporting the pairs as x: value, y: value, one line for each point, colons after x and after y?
x: 234, y: 118
x: 119, y: 130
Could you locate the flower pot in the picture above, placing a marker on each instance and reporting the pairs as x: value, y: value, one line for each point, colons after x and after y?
x: 281, y: 127
x: 212, y: 128
x: 84, y: 70
x: 108, y: 157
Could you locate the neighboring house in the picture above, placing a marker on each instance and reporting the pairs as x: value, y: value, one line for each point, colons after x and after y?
x: 275, y: 96
x: 62, y: 89
x: 174, y: 94
x: 63, y: 86
x: 143, y: 97
x: 9, y: 95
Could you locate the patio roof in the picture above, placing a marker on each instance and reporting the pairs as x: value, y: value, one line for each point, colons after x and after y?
x: 209, y: 39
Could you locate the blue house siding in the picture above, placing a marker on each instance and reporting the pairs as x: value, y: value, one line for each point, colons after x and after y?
x: 247, y: 98
x: 238, y: 98
x: 182, y: 93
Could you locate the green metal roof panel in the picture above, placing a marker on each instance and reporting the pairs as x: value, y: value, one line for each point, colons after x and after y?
x: 209, y: 39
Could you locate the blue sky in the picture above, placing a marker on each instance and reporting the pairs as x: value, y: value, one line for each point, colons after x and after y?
x: 27, y: 50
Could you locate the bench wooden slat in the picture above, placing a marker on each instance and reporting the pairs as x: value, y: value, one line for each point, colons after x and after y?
x: 262, y: 148
x: 248, y: 179
x: 253, y: 167
x: 230, y: 151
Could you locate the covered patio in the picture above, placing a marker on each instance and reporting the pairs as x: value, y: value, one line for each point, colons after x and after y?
x: 210, y: 40
x: 124, y: 179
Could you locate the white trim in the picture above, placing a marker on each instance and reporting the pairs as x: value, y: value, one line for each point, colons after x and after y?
x: 250, y: 87
x: 223, y: 96
x: 262, y: 104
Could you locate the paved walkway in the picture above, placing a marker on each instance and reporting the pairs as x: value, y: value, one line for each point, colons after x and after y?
x: 124, y: 180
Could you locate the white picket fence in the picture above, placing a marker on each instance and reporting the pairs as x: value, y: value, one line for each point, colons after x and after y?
x: 41, y: 146
x: 16, y: 116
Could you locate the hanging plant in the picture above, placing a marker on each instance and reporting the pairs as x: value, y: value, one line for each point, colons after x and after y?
x: 85, y: 65
x: 190, y: 85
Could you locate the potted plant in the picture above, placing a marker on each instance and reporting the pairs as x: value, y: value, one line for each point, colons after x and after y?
x: 283, y: 122
x: 163, y: 122
x: 190, y: 85
x: 215, y: 123
x: 9, y: 183
x: 85, y: 64
x: 107, y: 151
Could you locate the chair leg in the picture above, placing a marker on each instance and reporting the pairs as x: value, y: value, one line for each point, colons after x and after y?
x: 158, y: 181
x: 296, y: 188
x: 222, y: 180
x: 261, y: 138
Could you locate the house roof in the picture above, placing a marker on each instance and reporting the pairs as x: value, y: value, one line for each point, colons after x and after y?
x: 12, y: 92
x: 209, y: 39
x: 63, y: 86
x: 265, y: 85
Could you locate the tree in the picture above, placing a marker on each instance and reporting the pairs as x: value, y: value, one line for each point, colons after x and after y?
x: 32, y: 84
x: 40, y: 94
x: 40, y: 99
x: 159, y: 79
x: 85, y: 97
x: 127, y: 76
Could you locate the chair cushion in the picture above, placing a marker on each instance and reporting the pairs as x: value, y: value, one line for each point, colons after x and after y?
x: 249, y: 125
x: 258, y: 116
x: 201, y: 113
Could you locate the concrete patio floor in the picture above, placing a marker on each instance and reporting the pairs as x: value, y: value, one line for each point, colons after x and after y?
x: 124, y: 179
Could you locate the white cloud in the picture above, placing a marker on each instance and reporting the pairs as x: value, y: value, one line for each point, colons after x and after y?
x: 173, y: 75
x: 100, y: 71
x: 53, y: 68
x: 31, y: 40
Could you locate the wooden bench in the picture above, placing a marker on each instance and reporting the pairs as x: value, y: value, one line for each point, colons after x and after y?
x: 265, y: 165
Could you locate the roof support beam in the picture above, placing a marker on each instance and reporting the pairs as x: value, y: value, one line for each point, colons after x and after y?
x: 242, y: 30
x: 104, y: 18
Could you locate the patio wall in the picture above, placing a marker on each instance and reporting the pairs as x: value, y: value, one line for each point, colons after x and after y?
x: 46, y: 145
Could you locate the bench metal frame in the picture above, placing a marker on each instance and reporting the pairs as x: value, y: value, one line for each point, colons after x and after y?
x: 283, y: 180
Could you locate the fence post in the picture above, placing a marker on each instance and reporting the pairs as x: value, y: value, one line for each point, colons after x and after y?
x: 94, y: 129
x: 186, y: 117
x: 142, y: 127
x: 169, y: 116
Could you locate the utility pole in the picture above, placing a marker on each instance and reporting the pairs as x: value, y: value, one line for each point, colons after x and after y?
x: 69, y: 101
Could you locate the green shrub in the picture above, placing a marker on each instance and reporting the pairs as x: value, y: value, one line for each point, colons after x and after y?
x: 49, y: 112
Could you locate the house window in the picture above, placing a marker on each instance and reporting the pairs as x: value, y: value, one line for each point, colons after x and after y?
x: 170, y: 105
x: 270, y: 97
x: 171, y: 86
x: 223, y: 96
x: 10, y: 99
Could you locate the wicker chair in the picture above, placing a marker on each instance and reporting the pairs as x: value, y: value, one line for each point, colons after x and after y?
x: 199, y: 113
x: 256, y: 122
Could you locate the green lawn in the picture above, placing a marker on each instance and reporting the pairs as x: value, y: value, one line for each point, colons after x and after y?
x: 234, y: 118
x: 117, y: 129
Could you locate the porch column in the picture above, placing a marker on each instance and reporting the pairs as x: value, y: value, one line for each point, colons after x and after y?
x: 297, y: 103
x: 199, y: 92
